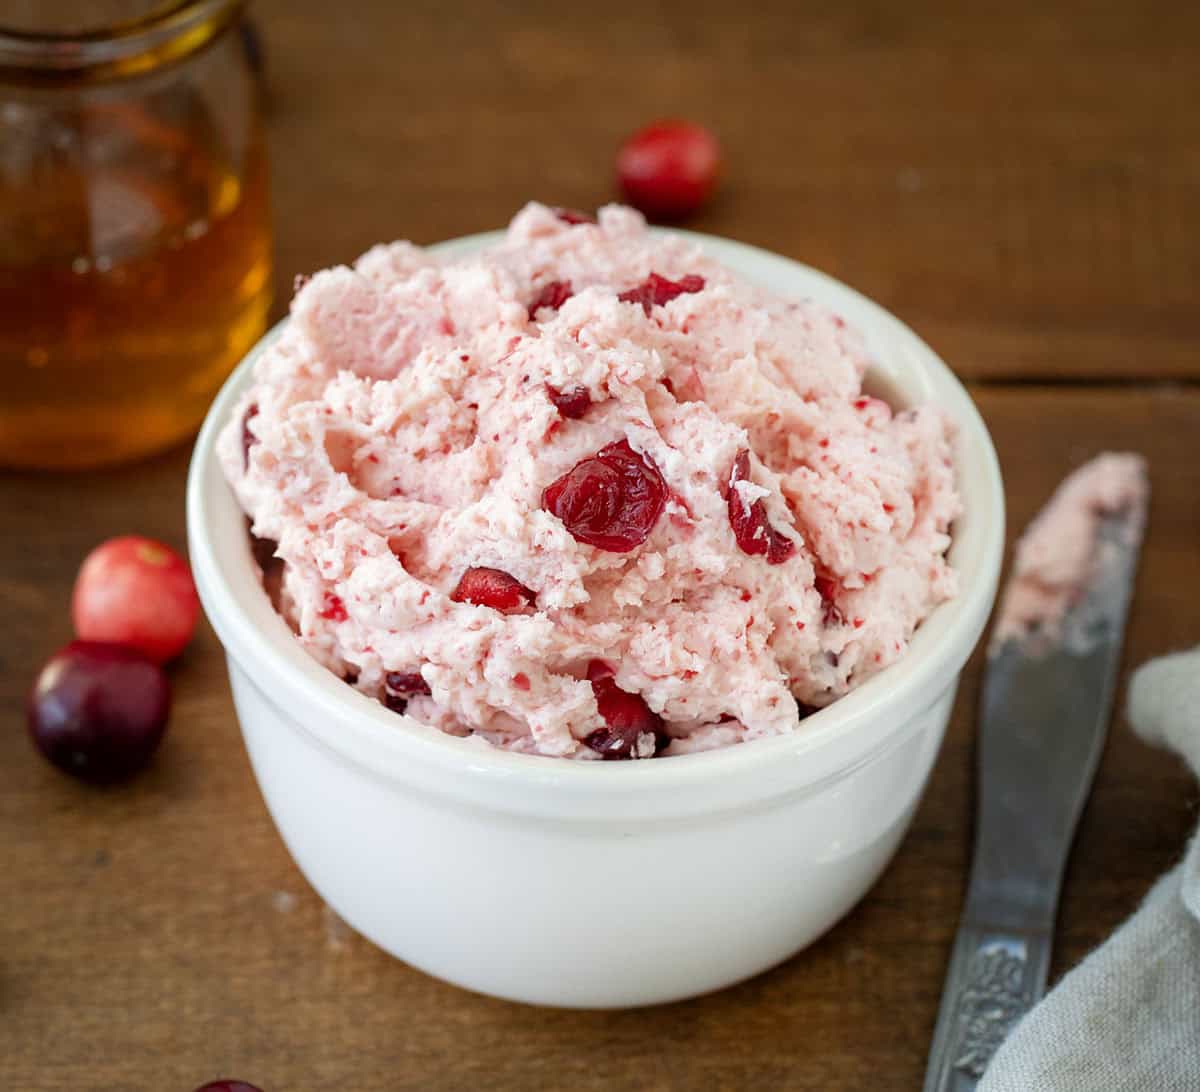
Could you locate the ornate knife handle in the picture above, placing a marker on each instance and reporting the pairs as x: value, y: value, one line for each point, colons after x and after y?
x: 995, y: 977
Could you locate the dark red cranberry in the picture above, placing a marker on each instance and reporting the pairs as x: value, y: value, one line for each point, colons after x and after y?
x: 406, y: 683
x: 610, y: 500
x: 829, y: 589
x: 493, y: 588
x: 333, y: 608
x: 656, y: 290
x: 399, y: 686
x: 751, y: 528
x: 248, y: 437
x: 573, y: 216
x: 552, y: 295
x: 98, y: 710
x: 228, y: 1086
x: 669, y: 169
x: 627, y: 717
x: 571, y: 402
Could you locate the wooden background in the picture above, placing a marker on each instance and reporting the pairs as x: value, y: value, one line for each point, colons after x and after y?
x: 1023, y: 188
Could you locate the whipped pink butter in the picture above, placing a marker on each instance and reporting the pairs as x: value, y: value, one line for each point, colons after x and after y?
x: 1058, y: 553
x: 586, y: 493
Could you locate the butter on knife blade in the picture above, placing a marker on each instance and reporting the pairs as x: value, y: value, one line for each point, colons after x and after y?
x: 1061, y: 551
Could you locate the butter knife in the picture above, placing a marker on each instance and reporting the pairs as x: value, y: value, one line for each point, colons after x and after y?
x: 1046, y: 703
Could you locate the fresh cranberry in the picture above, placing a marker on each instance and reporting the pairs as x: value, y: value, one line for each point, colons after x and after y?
x: 228, y: 1086
x: 669, y: 169
x: 751, y: 528
x: 248, y: 437
x: 828, y: 589
x: 571, y: 402
x: 137, y: 592
x: 552, y: 295
x: 98, y: 710
x: 573, y: 216
x: 610, y: 500
x: 656, y: 290
x: 493, y: 588
x: 627, y: 717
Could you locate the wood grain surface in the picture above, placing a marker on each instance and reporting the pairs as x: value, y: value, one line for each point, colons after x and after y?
x: 1022, y: 189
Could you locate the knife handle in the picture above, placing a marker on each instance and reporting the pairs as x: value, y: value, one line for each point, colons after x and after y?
x: 995, y: 977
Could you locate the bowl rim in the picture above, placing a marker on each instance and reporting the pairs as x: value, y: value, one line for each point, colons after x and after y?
x: 833, y: 741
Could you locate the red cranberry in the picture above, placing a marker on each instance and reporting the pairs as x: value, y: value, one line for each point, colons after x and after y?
x: 828, y: 589
x: 399, y: 686
x: 228, y: 1086
x: 573, y: 216
x: 656, y: 290
x: 626, y: 717
x: 248, y: 437
x: 610, y: 500
x: 669, y: 169
x: 332, y: 608
x: 98, y: 710
x: 135, y: 591
x: 552, y: 295
x: 751, y: 528
x: 493, y: 588
x: 571, y: 402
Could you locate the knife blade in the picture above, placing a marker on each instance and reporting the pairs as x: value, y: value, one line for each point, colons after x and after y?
x: 1046, y: 703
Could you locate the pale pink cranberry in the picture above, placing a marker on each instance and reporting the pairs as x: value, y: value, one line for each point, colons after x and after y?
x: 610, y: 500
x: 138, y: 592
x: 751, y: 528
x: 552, y: 295
x: 571, y: 402
x: 493, y: 588
x: 627, y: 718
x: 669, y: 169
x: 657, y: 290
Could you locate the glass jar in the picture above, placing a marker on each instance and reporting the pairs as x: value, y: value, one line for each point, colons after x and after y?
x: 135, y: 264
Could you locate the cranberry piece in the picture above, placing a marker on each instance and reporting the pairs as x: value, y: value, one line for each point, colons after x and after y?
x: 571, y: 402
x: 751, y: 528
x: 493, y: 588
x: 669, y: 169
x: 333, y: 609
x: 138, y: 592
x: 829, y: 589
x: 627, y: 717
x: 228, y: 1086
x: 552, y: 295
x: 656, y: 290
x: 573, y: 216
x: 399, y: 686
x: 407, y: 683
x: 248, y: 437
x: 610, y: 500
x: 98, y: 710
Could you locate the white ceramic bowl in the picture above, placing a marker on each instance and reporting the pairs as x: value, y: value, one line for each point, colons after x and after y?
x: 599, y: 884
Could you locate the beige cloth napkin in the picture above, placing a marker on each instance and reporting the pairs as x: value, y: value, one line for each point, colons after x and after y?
x: 1127, y: 1019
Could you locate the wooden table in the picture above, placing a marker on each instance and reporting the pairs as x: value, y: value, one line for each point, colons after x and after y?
x: 1023, y: 189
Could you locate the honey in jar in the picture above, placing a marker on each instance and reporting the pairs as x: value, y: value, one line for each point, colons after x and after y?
x: 134, y: 233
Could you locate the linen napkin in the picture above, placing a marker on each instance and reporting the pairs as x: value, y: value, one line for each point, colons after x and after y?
x: 1127, y: 1019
